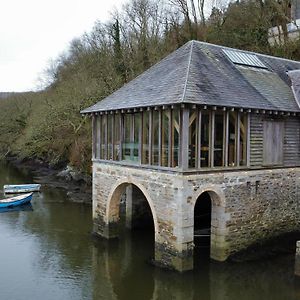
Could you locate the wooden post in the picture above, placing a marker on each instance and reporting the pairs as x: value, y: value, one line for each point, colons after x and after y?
x: 113, y: 137
x: 100, y: 137
x: 238, y: 138
x: 150, y: 136
x: 170, y: 138
x: 212, y: 139
x: 248, y: 140
x: 141, y: 137
x: 121, y: 120
x: 159, y: 137
x: 98, y: 148
x: 184, y: 138
x: 94, y: 135
x: 199, y: 139
x: 226, y: 138
x: 131, y: 139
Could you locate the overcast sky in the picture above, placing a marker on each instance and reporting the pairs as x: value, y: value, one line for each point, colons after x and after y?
x: 34, y: 31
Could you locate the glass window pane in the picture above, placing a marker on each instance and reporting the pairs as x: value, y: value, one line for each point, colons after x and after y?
x: 218, y: 139
x: 95, y: 136
x: 136, y: 137
x: 166, y: 119
x: 232, y: 139
x: 155, y: 138
x: 175, y: 137
x: 98, y: 137
x: 145, y: 154
x: 117, y: 141
x: 126, y: 145
x: 110, y: 137
x: 205, y: 140
x: 193, y: 138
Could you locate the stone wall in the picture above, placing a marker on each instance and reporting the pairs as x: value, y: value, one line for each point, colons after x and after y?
x: 247, y: 206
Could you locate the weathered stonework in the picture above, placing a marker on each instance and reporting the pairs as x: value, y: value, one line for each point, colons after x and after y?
x: 247, y: 206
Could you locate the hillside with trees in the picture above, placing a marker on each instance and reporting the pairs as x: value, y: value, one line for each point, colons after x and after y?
x: 46, y: 125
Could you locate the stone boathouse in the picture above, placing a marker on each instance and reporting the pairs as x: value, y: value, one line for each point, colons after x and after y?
x: 205, y: 141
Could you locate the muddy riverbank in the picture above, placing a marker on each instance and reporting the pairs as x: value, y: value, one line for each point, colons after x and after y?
x: 77, y: 185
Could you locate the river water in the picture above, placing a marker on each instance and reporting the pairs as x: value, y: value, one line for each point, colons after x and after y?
x: 47, y: 252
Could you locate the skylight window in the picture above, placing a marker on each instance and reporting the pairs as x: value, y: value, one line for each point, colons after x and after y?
x: 246, y: 59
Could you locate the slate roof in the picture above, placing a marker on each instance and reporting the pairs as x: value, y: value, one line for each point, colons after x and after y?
x: 201, y: 73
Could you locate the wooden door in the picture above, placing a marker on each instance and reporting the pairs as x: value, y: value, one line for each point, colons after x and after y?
x: 273, y: 142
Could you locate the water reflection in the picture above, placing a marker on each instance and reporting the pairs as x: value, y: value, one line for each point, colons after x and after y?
x: 48, y: 253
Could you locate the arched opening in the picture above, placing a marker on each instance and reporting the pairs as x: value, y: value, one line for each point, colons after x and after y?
x: 132, y: 211
x: 202, y: 225
x: 135, y: 211
x: 130, y: 207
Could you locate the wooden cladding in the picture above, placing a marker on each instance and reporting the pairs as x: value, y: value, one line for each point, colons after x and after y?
x: 273, y: 142
x: 173, y: 137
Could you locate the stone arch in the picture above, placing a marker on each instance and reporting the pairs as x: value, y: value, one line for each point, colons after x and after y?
x: 216, y: 194
x: 218, y: 219
x: 113, y: 203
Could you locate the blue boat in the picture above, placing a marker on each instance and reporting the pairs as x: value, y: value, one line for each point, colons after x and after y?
x: 21, y: 188
x: 25, y: 207
x: 16, y: 201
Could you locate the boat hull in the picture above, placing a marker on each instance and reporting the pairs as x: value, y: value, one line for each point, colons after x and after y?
x: 21, y: 188
x: 16, y: 201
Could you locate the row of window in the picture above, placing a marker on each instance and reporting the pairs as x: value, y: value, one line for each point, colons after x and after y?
x: 221, y: 140
x: 152, y: 137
